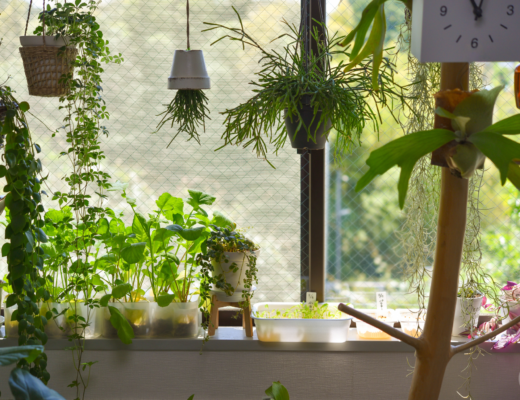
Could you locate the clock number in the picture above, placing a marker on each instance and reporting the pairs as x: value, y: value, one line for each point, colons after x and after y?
x: 474, y: 43
x: 444, y: 11
x: 511, y: 10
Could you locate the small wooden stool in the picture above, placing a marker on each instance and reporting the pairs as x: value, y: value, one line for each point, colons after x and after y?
x: 247, y: 322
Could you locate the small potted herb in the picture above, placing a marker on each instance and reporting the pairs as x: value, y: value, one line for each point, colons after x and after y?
x: 233, y: 259
x: 305, y: 95
x: 467, y: 309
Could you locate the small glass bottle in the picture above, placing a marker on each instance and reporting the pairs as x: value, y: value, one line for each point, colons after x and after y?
x: 517, y: 86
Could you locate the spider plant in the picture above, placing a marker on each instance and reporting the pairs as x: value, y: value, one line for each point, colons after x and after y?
x: 291, y: 79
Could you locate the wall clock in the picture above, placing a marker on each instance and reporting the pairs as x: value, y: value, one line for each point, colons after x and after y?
x: 466, y: 30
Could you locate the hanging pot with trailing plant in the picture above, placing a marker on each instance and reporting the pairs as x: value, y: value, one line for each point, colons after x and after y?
x: 46, y: 60
x: 189, y: 77
x: 306, y: 128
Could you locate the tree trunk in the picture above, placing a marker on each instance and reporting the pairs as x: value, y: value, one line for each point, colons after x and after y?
x: 433, y: 351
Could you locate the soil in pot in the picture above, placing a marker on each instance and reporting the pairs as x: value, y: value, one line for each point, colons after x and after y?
x: 299, y: 137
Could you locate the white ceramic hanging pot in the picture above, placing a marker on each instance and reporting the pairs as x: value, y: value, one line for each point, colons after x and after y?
x: 188, y: 71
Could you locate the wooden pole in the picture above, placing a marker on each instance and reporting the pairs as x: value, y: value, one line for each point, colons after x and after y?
x: 434, y: 352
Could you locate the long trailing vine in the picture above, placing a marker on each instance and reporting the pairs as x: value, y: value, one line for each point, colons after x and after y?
x: 84, y: 110
x: 23, y: 231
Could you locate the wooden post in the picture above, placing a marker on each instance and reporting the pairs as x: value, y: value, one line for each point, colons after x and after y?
x: 434, y: 350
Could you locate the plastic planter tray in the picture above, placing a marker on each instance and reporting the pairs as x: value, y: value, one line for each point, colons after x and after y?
x: 299, y: 330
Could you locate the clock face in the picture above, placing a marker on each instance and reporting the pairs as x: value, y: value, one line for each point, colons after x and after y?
x: 466, y: 30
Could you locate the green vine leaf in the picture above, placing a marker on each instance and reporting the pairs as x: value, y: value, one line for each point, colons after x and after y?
x: 404, y: 152
x: 277, y: 391
x: 198, y: 199
x: 514, y: 174
x: 165, y: 300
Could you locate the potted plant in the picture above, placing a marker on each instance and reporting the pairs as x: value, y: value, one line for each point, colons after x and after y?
x: 189, y: 77
x: 167, y: 257
x: 49, y: 56
x: 463, y: 138
x: 300, y: 322
x: 232, y: 259
x: 467, y: 311
x: 312, y: 93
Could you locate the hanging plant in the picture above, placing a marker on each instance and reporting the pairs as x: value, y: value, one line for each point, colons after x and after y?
x: 47, y: 60
x: 23, y: 231
x: 313, y: 95
x: 189, y: 77
x: 82, y: 202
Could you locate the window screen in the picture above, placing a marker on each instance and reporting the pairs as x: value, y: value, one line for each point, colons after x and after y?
x: 262, y: 200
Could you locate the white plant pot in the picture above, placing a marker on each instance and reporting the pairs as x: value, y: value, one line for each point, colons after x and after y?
x: 222, y: 267
x: 188, y: 71
x: 51, y: 41
x: 464, y: 308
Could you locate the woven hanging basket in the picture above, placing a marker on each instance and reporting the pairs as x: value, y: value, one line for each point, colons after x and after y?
x: 44, y: 68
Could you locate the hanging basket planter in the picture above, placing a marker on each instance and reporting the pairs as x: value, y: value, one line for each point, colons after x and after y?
x: 188, y: 71
x: 45, y: 61
x: 300, y: 137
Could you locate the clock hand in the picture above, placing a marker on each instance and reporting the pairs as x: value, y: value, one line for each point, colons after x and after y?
x: 476, y: 9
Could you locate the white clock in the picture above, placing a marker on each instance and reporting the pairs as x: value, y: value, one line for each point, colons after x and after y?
x: 466, y: 30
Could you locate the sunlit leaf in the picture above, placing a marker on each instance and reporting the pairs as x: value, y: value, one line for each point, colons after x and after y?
x: 508, y: 126
x: 479, y: 108
x: 134, y: 253
x: 499, y: 149
x: 198, y: 198
x: 119, y: 322
x: 403, y: 152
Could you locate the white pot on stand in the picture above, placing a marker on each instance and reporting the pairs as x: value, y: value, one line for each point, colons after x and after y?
x: 466, y: 309
x: 188, y: 71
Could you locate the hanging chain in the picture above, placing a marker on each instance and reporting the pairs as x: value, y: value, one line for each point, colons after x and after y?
x: 188, y: 21
x: 28, y: 15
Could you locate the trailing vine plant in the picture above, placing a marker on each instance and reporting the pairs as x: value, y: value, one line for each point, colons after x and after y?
x: 23, y: 231
x: 84, y: 110
x: 225, y: 239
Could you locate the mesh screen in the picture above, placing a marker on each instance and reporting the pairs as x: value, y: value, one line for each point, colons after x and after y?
x: 363, y: 252
x: 264, y: 200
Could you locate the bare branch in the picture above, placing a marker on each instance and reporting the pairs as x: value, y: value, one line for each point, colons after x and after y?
x: 465, y: 346
x: 403, y: 337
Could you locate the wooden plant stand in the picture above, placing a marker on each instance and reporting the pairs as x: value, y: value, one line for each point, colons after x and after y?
x: 247, y: 322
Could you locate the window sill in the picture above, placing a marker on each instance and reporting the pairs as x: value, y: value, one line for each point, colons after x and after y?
x: 234, y: 339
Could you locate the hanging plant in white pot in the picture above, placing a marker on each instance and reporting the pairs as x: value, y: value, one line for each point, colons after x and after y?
x: 189, y: 77
x: 46, y: 60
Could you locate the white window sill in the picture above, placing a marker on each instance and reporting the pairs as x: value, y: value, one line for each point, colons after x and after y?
x: 234, y: 339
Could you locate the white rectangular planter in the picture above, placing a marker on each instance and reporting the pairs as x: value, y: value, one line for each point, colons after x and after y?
x: 299, y: 330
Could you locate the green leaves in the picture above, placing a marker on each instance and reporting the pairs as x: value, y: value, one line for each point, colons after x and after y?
x: 198, y: 199
x: 165, y: 300
x: 134, y: 253
x: 222, y: 221
x: 10, y: 355
x: 167, y: 202
x: 119, y: 322
x: 25, y: 386
x: 403, y: 152
x: 508, y: 126
x: 277, y: 391
x: 499, y: 149
x: 479, y: 108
